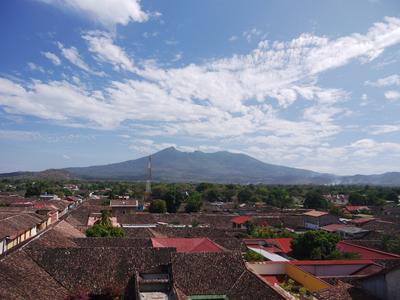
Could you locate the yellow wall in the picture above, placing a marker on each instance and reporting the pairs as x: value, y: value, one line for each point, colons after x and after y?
x: 310, y: 282
x: 11, y: 244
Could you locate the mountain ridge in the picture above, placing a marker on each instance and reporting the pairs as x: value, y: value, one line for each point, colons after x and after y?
x: 172, y: 165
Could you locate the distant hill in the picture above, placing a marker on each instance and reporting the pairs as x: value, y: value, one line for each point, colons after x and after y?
x: 171, y: 165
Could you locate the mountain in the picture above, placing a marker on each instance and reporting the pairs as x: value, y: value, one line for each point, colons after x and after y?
x: 176, y: 166
x: 171, y: 165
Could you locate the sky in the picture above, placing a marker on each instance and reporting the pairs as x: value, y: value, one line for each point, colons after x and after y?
x: 307, y: 84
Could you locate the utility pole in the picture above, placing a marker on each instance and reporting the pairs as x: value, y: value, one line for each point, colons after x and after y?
x: 147, y: 194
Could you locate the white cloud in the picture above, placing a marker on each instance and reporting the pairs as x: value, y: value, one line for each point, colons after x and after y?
x: 72, y: 55
x: 371, y: 148
x: 35, y: 67
x: 146, y: 146
x: 107, y: 12
x: 386, y: 81
x: 19, y: 135
x: 65, y: 156
x: 124, y: 136
x: 177, y: 57
x: 102, y: 45
x: 233, y: 38
x: 147, y: 35
x: 239, y: 99
x: 382, y: 129
x: 392, y: 95
x: 52, y: 57
x: 252, y: 34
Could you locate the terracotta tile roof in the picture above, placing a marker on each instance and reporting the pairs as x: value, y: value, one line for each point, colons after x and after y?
x: 231, y: 243
x: 187, y: 245
x: 12, y: 225
x: 21, y: 278
x: 103, y: 266
x: 333, y: 227
x: 343, y: 291
x: 285, y: 244
x: 354, y: 208
x: 315, y: 213
x: 364, y: 252
x: 218, y: 274
x: 113, y: 242
x: 360, y: 221
x: 240, y: 220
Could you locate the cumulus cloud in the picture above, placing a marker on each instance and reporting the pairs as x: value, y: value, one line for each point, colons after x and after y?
x: 106, y: 12
x: 52, y: 57
x: 234, y: 99
x: 101, y: 44
x: 392, y: 95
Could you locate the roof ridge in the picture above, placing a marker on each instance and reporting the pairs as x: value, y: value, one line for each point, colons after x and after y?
x: 237, y: 280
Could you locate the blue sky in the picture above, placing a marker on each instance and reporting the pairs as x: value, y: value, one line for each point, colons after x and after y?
x: 310, y: 84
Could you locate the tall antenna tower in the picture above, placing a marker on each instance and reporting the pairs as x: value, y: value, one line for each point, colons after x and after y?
x: 147, y: 194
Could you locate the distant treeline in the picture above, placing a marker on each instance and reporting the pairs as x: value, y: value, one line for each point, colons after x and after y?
x: 309, y: 196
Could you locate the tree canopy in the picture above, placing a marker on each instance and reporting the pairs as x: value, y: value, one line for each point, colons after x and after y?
x: 314, y: 200
x: 314, y: 244
x: 104, y: 227
x: 158, y: 206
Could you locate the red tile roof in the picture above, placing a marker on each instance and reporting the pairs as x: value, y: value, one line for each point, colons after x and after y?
x: 315, y: 213
x: 285, y: 244
x: 240, y: 220
x: 353, y: 208
x: 187, y: 245
x: 333, y: 227
x: 332, y: 262
x: 365, y: 253
x: 361, y: 220
x: 275, y: 245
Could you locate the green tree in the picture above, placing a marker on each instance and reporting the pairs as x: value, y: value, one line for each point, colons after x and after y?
x: 245, y: 195
x: 314, y: 244
x: 194, y: 203
x: 357, y: 199
x: 33, y: 190
x: 104, y: 227
x: 211, y: 195
x: 392, y: 196
x: 250, y: 227
x: 173, y: 199
x: 203, y: 186
x: 314, y: 199
x: 158, y: 206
